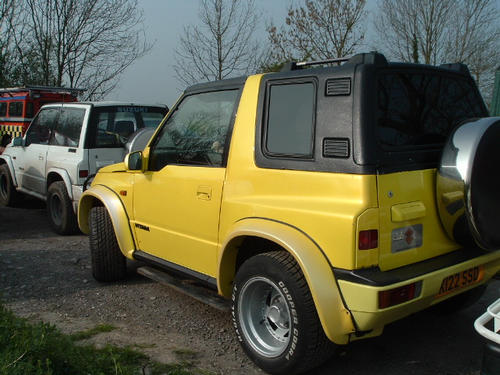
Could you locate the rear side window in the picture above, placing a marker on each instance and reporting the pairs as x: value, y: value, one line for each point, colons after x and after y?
x: 290, y: 120
x: 3, y: 109
x: 68, y: 128
x: 419, y: 110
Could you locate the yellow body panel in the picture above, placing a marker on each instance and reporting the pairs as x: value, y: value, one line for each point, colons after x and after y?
x: 409, y: 198
x: 325, y: 206
x: 180, y: 206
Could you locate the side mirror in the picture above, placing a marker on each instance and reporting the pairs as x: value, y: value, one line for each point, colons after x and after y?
x: 18, y: 141
x: 133, y: 161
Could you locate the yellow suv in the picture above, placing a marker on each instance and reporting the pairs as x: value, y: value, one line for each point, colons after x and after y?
x: 322, y: 202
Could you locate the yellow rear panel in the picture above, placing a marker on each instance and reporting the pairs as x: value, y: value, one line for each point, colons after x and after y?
x: 407, y: 209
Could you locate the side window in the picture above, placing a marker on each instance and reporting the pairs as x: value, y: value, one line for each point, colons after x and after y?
x: 68, y: 128
x: 15, y: 109
x: 195, y: 133
x: 289, y: 129
x: 39, y: 130
x: 3, y: 109
x: 29, y: 109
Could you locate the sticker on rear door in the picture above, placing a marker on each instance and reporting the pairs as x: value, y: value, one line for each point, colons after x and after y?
x: 406, y: 238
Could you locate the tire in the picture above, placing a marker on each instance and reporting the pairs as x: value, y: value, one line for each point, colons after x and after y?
x: 8, y: 193
x: 268, y: 291
x: 108, y: 262
x: 62, y: 218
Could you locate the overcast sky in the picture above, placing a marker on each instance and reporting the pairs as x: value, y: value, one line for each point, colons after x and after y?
x: 152, y: 78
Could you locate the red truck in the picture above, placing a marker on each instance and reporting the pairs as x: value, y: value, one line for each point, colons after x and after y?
x: 18, y: 105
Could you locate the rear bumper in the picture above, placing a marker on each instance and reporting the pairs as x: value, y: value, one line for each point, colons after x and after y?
x: 360, y: 289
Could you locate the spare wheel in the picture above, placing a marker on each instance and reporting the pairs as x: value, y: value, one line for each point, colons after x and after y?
x: 468, y: 184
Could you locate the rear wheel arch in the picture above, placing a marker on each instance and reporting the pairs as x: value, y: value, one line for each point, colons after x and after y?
x: 55, y: 175
x: 251, y: 237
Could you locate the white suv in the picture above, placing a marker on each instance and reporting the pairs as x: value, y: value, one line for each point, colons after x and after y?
x: 64, y: 146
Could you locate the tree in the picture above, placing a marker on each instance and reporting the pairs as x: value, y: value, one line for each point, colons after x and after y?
x: 7, y: 12
x: 320, y: 29
x: 222, y: 46
x: 474, y: 38
x: 441, y: 31
x: 410, y: 29
x: 78, y: 43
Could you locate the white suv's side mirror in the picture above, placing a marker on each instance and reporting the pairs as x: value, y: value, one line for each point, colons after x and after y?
x: 18, y: 141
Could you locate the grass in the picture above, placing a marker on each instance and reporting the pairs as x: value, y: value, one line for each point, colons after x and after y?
x: 84, y: 335
x: 41, y: 349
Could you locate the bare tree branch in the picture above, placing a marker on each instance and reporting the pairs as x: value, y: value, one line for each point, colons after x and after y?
x: 319, y: 29
x: 79, y: 43
x: 440, y: 31
x: 222, y: 46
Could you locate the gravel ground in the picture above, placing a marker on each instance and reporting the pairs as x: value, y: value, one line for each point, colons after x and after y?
x: 47, y: 277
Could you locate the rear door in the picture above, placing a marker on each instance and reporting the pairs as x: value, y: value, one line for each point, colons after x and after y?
x: 417, y: 110
x: 65, y: 149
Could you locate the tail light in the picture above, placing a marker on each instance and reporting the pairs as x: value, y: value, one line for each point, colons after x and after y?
x: 368, y: 239
x: 83, y: 173
x: 396, y: 296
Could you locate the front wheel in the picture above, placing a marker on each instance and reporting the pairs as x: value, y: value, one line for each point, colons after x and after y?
x: 62, y: 218
x: 108, y: 262
x: 274, y: 315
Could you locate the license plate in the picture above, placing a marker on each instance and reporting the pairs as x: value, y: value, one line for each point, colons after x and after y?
x: 460, y: 280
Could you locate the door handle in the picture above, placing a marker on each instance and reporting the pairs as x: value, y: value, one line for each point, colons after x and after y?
x: 40, y: 157
x: 204, y: 193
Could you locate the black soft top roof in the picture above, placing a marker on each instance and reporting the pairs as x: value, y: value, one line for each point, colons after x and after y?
x: 314, y: 67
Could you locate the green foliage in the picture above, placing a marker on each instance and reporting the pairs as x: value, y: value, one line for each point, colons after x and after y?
x: 83, y: 335
x: 40, y: 349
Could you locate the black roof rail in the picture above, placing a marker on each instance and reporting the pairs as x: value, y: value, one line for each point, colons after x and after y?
x: 360, y: 58
x: 322, y: 62
x: 293, y: 65
x: 457, y: 67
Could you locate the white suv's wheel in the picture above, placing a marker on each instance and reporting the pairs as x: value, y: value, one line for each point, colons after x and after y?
x: 62, y: 218
x: 468, y: 184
